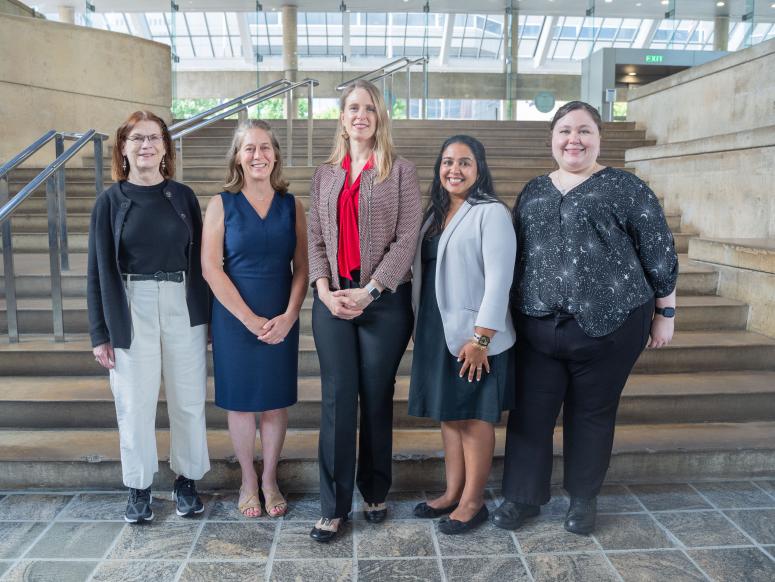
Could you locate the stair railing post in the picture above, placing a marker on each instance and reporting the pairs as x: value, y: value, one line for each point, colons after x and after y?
x: 179, y: 160
x: 62, y: 207
x: 99, y: 183
x: 8, y: 270
x: 289, y: 125
x: 53, y: 257
x: 425, y: 89
x: 310, y: 89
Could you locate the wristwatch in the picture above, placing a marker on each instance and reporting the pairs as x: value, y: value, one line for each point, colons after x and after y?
x: 665, y: 311
x: 481, y: 340
x: 373, y: 291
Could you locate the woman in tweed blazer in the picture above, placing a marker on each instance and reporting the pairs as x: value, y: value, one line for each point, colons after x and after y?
x: 364, y: 222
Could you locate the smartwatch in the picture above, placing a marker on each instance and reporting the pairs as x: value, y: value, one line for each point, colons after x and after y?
x: 373, y: 291
x: 665, y: 311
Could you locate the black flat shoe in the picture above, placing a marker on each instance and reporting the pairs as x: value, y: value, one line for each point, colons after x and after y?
x: 453, y: 527
x: 375, y: 512
x: 425, y: 511
x: 581, y: 515
x: 322, y: 533
x: 512, y: 515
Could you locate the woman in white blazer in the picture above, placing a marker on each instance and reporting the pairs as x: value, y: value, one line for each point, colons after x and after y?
x: 462, y: 366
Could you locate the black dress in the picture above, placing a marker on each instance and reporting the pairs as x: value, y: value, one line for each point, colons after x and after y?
x: 437, y: 391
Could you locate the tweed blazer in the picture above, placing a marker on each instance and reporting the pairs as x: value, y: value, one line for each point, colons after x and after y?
x: 389, y: 217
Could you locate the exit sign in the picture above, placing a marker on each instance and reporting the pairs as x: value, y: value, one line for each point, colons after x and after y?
x: 654, y: 58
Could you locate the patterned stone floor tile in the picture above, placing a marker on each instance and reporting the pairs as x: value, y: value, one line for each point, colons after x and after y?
x: 484, y: 570
x: 223, y: 571
x: 155, y: 541
x: 547, y: 534
x: 49, y: 571
x: 303, y: 506
x: 630, y: 532
x: 419, y: 570
x: 4, y: 565
x: 136, y: 571
x: 394, y: 539
x: 669, y: 496
x: 77, y: 540
x: 570, y: 568
x: 230, y: 541
x: 735, y: 494
x: 294, y: 542
x: 303, y: 570
x: 768, y: 486
x: 617, y: 499
x: 667, y: 565
x: 702, y: 528
x: 735, y: 564
x: 558, y: 504
x: 17, y: 537
x: 33, y: 506
x: 485, y: 540
x: 401, y: 504
x: 96, y: 507
x: 164, y: 509
x: 757, y: 523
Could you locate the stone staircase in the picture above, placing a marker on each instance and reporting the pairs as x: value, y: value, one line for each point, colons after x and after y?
x: 699, y: 409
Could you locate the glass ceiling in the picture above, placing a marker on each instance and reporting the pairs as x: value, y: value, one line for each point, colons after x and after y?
x: 245, y: 37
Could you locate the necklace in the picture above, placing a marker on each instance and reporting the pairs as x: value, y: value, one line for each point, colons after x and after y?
x: 564, y: 189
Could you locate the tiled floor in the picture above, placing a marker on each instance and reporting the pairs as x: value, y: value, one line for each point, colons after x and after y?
x: 675, y: 532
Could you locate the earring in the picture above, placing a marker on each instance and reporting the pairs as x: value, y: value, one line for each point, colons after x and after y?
x: 345, y: 136
x: 163, y: 165
x: 125, y: 164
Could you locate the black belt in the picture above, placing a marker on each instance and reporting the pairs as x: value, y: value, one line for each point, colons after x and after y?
x: 175, y: 277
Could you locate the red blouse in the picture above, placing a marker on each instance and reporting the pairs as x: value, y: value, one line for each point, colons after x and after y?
x: 349, y: 252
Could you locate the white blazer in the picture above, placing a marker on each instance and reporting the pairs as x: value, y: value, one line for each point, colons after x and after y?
x: 474, y: 270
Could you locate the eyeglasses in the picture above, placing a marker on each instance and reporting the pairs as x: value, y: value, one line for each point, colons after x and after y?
x: 137, y: 139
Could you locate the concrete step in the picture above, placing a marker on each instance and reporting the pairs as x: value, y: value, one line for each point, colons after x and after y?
x: 694, y: 313
x: 80, y: 402
x: 690, y: 351
x: 32, y: 277
x: 89, y: 459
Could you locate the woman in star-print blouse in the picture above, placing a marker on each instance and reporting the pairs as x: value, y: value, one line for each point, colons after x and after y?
x: 595, y: 281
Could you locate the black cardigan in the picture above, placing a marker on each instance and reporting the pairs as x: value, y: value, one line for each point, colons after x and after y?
x: 109, y: 319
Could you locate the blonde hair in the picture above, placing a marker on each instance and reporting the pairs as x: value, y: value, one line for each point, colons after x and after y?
x: 236, y: 178
x: 383, y: 149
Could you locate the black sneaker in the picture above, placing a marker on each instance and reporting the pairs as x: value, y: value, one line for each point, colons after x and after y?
x: 187, y: 501
x: 138, y: 508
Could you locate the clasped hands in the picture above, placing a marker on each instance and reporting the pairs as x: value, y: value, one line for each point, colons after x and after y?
x: 270, y: 331
x: 346, y: 303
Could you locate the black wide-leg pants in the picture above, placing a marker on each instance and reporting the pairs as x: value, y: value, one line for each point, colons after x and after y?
x: 359, y: 360
x: 559, y: 365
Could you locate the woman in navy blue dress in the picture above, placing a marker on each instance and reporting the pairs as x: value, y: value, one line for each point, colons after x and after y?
x: 254, y: 256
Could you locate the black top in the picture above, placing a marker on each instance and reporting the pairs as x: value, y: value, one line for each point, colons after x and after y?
x: 598, y: 252
x: 153, y: 238
x: 109, y: 318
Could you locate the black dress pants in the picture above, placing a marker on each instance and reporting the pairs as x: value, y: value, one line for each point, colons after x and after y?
x: 359, y: 359
x: 559, y: 365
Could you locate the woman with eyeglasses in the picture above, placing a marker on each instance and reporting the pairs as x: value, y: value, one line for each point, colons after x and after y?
x: 148, y: 312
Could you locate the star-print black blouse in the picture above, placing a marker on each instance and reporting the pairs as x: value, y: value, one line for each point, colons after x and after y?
x: 598, y: 252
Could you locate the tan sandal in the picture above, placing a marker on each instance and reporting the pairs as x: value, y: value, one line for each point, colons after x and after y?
x: 251, y: 502
x: 274, y: 503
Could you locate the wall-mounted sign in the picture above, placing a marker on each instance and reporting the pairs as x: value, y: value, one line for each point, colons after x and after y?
x: 654, y: 58
x: 544, y: 101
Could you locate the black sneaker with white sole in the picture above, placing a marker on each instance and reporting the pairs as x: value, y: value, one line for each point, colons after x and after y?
x: 187, y: 501
x: 138, y: 507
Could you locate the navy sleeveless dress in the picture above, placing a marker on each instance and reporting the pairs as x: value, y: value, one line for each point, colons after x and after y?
x: 250, y: 375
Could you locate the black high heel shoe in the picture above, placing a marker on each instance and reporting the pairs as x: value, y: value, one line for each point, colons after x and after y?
x: 327, y: 528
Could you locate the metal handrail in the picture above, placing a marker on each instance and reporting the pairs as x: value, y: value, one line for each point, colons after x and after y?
x: 181, y: 124
x: 388, y: 71
x: 54, y: 177
x: 243, y: 106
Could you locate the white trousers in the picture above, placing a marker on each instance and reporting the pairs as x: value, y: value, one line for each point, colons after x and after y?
x: 163, y: 342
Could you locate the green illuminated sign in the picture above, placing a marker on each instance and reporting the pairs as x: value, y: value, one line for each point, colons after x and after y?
x: 654, y: 58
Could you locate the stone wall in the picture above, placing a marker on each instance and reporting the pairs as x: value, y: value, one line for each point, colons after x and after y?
x: 16, y: 8
x: 72, y: 78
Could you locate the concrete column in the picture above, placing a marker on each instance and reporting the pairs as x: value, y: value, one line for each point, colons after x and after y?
x: 66, y: 14
x: 511, y: 53
x: 290, y: 49
x: 721, y: 33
